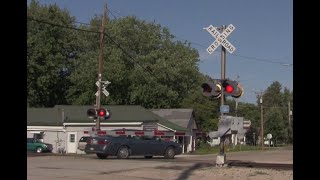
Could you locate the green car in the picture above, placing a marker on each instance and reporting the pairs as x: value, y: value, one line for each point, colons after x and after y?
x: 37, y: 146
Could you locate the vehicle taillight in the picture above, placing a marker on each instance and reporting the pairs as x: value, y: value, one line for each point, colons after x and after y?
x: 103, y: 142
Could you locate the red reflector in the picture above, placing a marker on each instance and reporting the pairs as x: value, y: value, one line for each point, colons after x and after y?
x: 85, y: 132
x: 139, y: 133
x: 102, y: 132
x: 179, y: 133
x: 159, y: 133
x: 120, y: 132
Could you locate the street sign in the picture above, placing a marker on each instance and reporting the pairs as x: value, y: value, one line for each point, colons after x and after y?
x: 104, y: 85
x: 221, y: 38
x: 269, y: 136
x: 105, y: 92
x: 98, y: 84
x: 224, y: 109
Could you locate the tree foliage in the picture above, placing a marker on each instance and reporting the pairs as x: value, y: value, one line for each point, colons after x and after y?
x: 276, y: 113
x: 51, y: 52
x: 144, y: 63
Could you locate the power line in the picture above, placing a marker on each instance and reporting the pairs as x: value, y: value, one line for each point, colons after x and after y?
x: 91, y: 31
x: 109, y: 11
x: 62, y: 26
x: 245, y: 57
x: 134, y: 61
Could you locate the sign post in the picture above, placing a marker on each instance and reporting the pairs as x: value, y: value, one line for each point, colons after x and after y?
x: 221, y: 39
x: 269, y: 136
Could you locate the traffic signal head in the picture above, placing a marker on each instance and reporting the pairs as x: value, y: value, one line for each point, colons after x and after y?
x: 211, y: 89
x: 231, y: 88
x: 104, y: 113
x: 91, y: 113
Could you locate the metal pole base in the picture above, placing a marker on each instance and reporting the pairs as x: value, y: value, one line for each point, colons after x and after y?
x: 220, y: 161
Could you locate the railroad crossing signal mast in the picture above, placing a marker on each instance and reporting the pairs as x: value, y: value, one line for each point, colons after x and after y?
x: 223, y: 87
x: 100, y: 113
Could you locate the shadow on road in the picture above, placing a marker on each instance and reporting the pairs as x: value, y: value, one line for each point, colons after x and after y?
x: 249, y: 164
x: 186, y: 173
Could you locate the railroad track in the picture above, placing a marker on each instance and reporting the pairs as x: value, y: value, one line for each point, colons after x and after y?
x: 260, y: 165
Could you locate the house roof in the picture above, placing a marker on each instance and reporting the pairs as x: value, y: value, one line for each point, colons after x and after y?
x: 180, y: 117
x: 78, y: 114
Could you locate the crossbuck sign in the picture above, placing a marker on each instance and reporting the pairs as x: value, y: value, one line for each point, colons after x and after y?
x: 221, y: 38
x: 104, y: 85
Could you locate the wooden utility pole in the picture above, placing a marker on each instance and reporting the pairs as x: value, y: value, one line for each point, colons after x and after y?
x: 261, y: 131
x: 98, y: 99
x: 289, y: 113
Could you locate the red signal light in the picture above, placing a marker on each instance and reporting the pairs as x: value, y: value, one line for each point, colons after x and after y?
x: 229, y: 89
x: 102, y: 112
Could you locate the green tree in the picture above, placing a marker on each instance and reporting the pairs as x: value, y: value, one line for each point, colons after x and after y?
x: 275, y: 125
x: 206, y: 110
x: 276, y: 112
x: 153, y: 70
x: 51, y: 52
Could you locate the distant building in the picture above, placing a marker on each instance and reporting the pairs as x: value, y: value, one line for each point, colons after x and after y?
x: 64, y: 125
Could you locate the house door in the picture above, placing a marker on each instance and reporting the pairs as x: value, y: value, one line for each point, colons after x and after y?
x: 71, y: 143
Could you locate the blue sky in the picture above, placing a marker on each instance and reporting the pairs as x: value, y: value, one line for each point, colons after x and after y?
x: 263, y: 35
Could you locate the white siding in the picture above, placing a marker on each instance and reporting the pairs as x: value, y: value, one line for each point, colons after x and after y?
x: 57, y: 139
x: 29, y: 135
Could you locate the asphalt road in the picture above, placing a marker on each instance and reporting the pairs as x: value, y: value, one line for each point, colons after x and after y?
x: 49, y: 166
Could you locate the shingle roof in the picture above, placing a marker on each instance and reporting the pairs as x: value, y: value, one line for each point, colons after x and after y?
x: 180, y: 117
x: 43, y: 117
x: 77, y: 114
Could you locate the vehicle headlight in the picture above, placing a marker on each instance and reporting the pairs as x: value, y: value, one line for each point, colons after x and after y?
x: 45, y: 146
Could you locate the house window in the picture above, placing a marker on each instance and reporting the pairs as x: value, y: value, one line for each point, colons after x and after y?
x: 72, y: 138
x: 39, y: 136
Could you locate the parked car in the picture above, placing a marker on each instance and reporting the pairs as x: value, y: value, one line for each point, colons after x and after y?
x: 82, y: 142
x: 123, y: 147
x: 37, y: 146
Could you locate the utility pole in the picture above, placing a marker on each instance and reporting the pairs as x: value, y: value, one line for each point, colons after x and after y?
x: 289, y: 113
x: 261, y: 131
x: 98, y: 99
